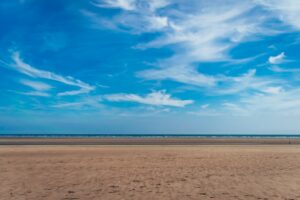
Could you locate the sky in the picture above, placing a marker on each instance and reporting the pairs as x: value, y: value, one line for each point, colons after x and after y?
x: 150, y: 66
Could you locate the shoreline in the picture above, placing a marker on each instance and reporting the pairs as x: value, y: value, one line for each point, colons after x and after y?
x: 148, y: 141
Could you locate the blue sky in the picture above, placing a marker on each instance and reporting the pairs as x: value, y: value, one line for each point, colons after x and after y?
x: 155, y: 66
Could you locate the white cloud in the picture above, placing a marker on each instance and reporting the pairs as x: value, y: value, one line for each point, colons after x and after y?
x: 235, y: 109
x: 277, y: 59
x: 273, y: 90
x: 214, y: 85
x: 157, y: 22
x: 179, y: 74
x: 206, y: 31
x: 245, y: 83
x: 139, y: 16
x: 83, y: 102
x: 287, y: 11
x: 145, y: 23
x: 133, y: 5
x: 158, y: 98
x: 197, y: 31
x: 69, y: 105
x: 205, y: 106
x: 283, y: 70
x: 207, y: 34
x: 157, y: 4
x: 27, y: 69
x: 121, y: 4
x: 39, y: 86
x: 283, y: 102
x: 35, y: 93
x: 73, y: 92
x: 275, y: 101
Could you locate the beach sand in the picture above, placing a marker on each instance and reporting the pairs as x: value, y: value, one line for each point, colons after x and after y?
x: 149, y: 172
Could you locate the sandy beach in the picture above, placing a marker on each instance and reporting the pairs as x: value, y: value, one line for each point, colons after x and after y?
x: 136, y: 172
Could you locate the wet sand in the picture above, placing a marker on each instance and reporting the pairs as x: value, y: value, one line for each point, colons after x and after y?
x: 150, y: 172
x: 149, y: 141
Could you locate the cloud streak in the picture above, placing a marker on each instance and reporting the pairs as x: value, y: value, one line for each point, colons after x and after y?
x: 35, y: 93
x: 179, y: 74
x: 158, y: 98
x: 121, y: 4
x: 39, y: 86
x: 287, y: 11
x: 31, y: 71
x: 278, y: 101
x: 284, y: 70
x: 197, y: 32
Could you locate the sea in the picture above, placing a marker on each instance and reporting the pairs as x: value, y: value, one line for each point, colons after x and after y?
x: 94, y: 135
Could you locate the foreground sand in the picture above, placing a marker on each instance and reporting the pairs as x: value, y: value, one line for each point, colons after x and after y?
x: 150, y: 172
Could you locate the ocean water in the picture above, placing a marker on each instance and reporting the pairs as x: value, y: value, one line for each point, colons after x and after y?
x: 75, y: 135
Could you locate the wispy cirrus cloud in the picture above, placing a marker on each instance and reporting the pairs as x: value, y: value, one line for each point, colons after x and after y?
x: 273, y: 90
x: 24, y: 68
x: 247, y: 82
x: 277, y: 101
x: 121, y: 4
x: 197, y: 32
x: 39, y: 86
x: 284, y: 70
x: 87, y: 102
x: 73, y: 92
x: 180, y: 74
x: 218, y: 84
x: 219, y: 59
x: 274, y: 101
x: 35, y: 93
x: 287, y: 11
x: 157, y: 98
x: 140, y: 16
